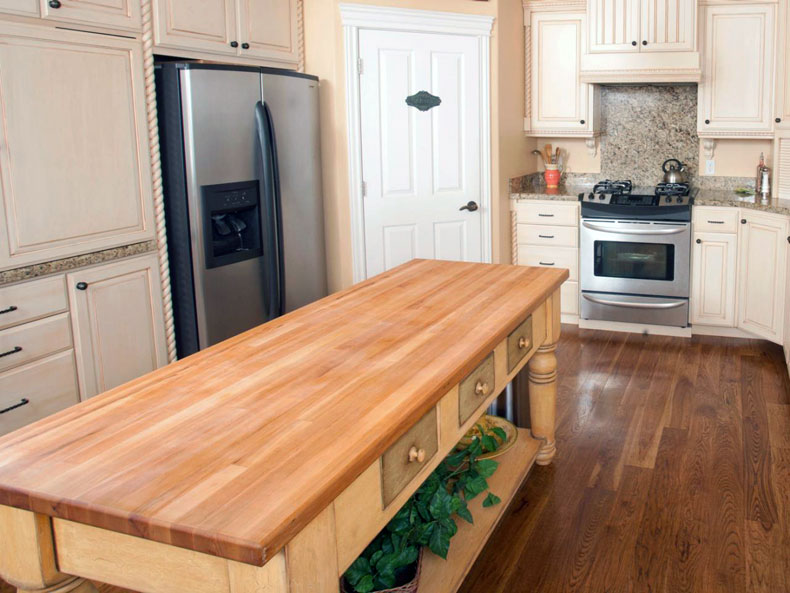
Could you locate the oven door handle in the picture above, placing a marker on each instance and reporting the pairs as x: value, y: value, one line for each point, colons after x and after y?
x: 634, y: 305
x: 621, y: 231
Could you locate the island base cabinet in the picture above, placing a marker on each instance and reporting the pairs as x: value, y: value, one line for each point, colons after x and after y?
x: 118, y: 322
x: 763, y: 258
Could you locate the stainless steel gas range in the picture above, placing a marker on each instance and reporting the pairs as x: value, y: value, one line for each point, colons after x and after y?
x: 635, y: 253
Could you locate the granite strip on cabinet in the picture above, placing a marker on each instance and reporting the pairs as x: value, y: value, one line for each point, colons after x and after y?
x: 707, y: 197
x: 75, y: 262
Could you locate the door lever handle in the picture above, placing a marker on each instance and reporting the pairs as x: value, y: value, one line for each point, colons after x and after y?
x: 471, y: 206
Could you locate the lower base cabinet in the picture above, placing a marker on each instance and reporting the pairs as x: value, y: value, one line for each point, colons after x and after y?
x: 714, y: 267
x: 118, y: 321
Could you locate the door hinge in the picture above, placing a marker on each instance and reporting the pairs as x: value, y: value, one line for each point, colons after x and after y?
x: 364, y: 189
x: 359, y: 66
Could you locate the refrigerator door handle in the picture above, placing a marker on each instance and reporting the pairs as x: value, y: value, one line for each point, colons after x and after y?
x: 264, y: 125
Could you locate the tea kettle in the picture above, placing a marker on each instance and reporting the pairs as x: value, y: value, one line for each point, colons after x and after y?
x: 674, y: 174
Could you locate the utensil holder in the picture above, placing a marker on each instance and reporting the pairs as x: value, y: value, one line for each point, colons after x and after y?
x: 552, y: 175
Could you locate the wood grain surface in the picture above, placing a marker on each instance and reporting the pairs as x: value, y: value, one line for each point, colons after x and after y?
x: 672, y: 473
x: 232, y: 451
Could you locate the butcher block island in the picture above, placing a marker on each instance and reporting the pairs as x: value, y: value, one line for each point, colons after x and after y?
x: 268, y: 462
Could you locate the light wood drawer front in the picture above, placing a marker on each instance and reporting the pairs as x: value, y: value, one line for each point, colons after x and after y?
x: 29, y: 341
x: 569, y: 298
x: 404, y: 460
x: 557, y: 236
x: 475, y: 388
x: 554, y: 214
x: 715, y: 220
x: 519, y: 343
x: 550, y: 257
x: 32, y: 300
x: 31, y: 392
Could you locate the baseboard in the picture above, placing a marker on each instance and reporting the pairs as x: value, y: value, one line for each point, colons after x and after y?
x: 569, y: 318
x: 636, y: 328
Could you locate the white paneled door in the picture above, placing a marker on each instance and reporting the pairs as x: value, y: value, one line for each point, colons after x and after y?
x: 420, y: 105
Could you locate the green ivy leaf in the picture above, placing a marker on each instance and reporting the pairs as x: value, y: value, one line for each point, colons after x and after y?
x: 491, y: 500
x: 486, y: 467
x: 489, y: 443
x: 365, y: 584
x: 357, y: 571
x: 439, y: 543
x: 475, y: 487
x: 464, y: 513
x: 500, y: 432
x: 441, y: 504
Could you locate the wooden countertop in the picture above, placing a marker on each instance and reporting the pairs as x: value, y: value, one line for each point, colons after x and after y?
x: 233, y: 450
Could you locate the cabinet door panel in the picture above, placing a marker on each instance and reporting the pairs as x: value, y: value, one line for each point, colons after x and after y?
x: 558, y: 101
x: 736, y: 92
x: 118, y: 14
x: 763, y: 257
x: 199, y: 25
x: 713, y: 279
x: 74, y: 158
x: 614, y: 25
x: 782, y: 109
x: 668, y: 25
x: 25, y: 7
x: 269, y: 26
x: 118, y: 323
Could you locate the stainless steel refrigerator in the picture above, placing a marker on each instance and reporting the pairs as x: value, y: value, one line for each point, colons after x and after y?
x: 243, y: 200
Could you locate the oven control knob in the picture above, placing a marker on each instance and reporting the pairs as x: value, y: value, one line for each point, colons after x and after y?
x: 680, y: 200
x: 591, y: 197
x: 602, y: 197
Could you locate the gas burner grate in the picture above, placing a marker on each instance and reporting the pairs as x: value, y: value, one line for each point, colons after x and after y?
x: 607, y: 186
x: 672, y: 189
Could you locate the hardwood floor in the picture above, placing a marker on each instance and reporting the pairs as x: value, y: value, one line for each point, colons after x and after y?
x: 672, y: 474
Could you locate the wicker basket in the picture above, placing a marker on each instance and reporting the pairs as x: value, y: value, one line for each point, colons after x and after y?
x: 410, y: 587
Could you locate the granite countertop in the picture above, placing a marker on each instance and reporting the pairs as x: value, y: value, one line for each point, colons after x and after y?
x: 563, y: 193
x: 718, y: 197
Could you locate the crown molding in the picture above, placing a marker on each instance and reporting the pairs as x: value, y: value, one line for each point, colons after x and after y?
x: 408, y: 19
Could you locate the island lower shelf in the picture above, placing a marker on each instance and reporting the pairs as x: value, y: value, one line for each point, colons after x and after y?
x: 446, y: 576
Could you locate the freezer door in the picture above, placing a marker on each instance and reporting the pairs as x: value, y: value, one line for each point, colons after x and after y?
x: 221, y: 147
x: 292, y: 101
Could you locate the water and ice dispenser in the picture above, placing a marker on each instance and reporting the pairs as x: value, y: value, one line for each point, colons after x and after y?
x: 232, y: 222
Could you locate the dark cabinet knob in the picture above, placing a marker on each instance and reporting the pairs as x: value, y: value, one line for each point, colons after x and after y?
x: 788, y: 239
x: 245, y: 46
x: 234, y: 44
x: 54, y: 3
x: 82, y: 285
x: 707, y: 121
x: 778, y: 120
x: 743, y: 221
x: 633, y: 43
x: 699, y: 241
x: 581, y: 122
x: 644, y: 42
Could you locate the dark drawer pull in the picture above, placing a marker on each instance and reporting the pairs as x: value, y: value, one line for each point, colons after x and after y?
x: 10, y: 309
x: 715, y: 222
x: 14, y: 350
x: 546, y: 215
x: 543, y: 263
x: 546, y: 236
x: 23, y: 402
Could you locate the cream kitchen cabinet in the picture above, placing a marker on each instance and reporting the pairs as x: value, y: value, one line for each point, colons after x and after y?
x: 22, y: 7
x: 713, y: 281
x: 559, y: 104
x: 118, y: 322
x: 763, y: 246
x: 641, y: 41
x: 113, y: 14
x: 76, y: 172
x: 736, y: 93
x: 249, y: 30
x: 782, y: 94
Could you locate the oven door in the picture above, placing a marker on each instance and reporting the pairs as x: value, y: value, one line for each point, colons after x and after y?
x: 635, y: 257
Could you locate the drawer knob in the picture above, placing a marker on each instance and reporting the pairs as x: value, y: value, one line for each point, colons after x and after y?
x: 523, y: 343
x: 417, y: 455
x: 10, y: 309
x: 699, y: 241
x: 54, y: 3
x: 743, y: 221
x: 82, y: 285
x: 22, y: 402
x: 481, y: 388
x: 234, y: 44
x: 245, y: 46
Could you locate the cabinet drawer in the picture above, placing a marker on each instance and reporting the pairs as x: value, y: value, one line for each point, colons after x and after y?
x: 557, y: 236
x: 29, y: 341
x: 473, y: 391
x: 550, y: 257
x: 404, y: 460
x: 715, y: 220
x: 32, y: 300
x: 31, y: 392
x: 563, y: 214
x: 519, y: 343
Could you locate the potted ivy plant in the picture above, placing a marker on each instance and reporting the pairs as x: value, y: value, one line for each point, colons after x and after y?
x: 392, y: 561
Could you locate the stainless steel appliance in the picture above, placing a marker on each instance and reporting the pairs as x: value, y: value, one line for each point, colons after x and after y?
x: 243, y: 198
x: 635, y: 253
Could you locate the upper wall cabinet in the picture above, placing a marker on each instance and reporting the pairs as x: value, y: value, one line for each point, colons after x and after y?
x: 558, y: 103
x: 74, y: 161
x: 782, y: 102
x: 23, y: 7
x: 253, y: 31
x: 736, y: 93
x: 114, y: 14
x: 641, y: 41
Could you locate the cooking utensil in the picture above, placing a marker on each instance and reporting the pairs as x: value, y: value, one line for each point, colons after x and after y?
x: 556, y: 160
x: 674, y: 174
x: 547, y: 149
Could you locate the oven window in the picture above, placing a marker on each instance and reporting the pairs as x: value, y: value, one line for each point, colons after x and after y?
x: 639, y: 261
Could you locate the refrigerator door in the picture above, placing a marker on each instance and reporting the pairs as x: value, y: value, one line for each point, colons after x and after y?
x: 222, y: 171
x: 291, y: 100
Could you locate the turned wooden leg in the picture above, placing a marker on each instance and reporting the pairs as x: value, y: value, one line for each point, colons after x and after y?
x: 27, y: 555
x: 543, y: 400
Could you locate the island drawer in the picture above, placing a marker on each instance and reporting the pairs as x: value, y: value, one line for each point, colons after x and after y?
x: 475, y: 389
x: 404, y: 460
x: 33, y: 391
x: 29, y: 341
x: 553, y: 213
x: 519, y: 343
x: 708, y: 219
x: 32, y: 300
x: 557, y: 236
